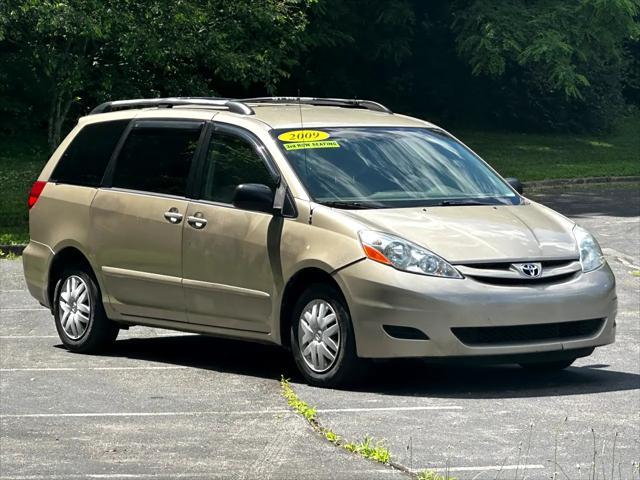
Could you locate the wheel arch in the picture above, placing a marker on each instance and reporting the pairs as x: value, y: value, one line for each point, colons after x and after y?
x: 69, y: 255
x: 292, y: 291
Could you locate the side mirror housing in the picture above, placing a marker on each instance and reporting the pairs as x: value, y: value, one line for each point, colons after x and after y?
x: 255, y: 197
x: 515, y: 184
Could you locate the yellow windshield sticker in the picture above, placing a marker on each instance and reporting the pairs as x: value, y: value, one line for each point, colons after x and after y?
x: 302, y: 145
x: 300, y: 136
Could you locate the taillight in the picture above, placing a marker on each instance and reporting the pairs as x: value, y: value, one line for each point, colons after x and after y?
x: 35, y: 192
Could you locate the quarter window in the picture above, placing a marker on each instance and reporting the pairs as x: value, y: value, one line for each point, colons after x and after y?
x: 157, y: 158
x: 231, y: 161
x: 86, y: 158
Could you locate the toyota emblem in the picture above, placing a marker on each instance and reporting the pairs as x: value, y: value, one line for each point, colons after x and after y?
x: 530, y: 270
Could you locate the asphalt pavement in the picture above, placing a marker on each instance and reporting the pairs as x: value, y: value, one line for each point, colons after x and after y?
x: 168, y: 405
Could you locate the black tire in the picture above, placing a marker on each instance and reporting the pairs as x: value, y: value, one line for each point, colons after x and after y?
x: 100, y: 332
x: 346, y: 367
x: 553, y: 366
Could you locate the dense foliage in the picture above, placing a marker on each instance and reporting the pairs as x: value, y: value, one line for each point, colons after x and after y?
x: 59, y: 54
x: 532, y: 64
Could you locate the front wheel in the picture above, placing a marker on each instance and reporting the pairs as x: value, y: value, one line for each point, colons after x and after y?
x: 80, y: 318
x: 322, y: 337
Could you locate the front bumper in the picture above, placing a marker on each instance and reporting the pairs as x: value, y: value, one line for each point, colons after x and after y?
x: 379, y: 295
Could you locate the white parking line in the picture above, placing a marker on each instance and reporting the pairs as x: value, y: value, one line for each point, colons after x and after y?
x: 122, y: 337
x: 109, y: 475
x: 73, y: 369
x: 20, y: 309
x: 154, y: 475
x: 9, y: 337
x: 148, y: 414
x: 217, y: 412
x: 389, y: 409
x: 489, y: 468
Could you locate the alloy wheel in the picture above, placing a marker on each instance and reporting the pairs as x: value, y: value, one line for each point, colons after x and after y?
x: 75, y: 307
x: 319, y: 335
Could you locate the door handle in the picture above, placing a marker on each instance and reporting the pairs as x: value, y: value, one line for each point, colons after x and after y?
x: 173, y: 215
x: 197, y: 221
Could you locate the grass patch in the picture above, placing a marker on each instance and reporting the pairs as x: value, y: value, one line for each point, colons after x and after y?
x: 368, y: 448
x: 554, y: 155
x: 14, y: 235
x: 431, y: 475
x: 300, y: 406
x: 5, y: 255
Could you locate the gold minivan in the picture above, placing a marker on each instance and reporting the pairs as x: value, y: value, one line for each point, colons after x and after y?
x: 335, y: 228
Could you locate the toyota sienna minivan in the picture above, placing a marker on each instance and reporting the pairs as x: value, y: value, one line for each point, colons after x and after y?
x: 335, y: 228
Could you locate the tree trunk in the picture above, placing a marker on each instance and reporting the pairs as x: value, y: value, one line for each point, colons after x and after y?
x: 66, y: 80
x: 50, y: 122
x: 58, y: 110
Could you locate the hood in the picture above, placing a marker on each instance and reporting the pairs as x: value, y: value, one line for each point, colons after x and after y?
x: 462, y: 234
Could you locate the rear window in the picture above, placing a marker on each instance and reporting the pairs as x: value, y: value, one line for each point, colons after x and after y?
x: 86, y: 158
x: 157, y: 158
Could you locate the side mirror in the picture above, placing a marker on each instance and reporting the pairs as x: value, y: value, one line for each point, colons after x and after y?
x: 515, y: 184
x: 254, y: 197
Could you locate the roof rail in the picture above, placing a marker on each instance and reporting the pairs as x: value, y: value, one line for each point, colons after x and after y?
x: 331, y: 102
x: 233, y: 105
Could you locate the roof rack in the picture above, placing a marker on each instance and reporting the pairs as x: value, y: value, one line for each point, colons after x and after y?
x: 233, y: 105
x: 330, y: 102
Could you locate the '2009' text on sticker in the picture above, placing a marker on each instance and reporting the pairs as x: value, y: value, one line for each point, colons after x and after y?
x: 303, y: 136
x: 302, y: 145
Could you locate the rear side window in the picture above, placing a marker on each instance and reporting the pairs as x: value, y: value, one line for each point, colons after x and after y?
x: 157, y: 158
x: 86, y: 158
x: 232, y: 160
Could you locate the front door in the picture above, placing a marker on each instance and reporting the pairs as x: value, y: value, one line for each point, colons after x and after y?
x: 228, y: 280
x: 137, y: 221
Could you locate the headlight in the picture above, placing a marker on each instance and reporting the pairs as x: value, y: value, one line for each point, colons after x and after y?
x: 404, y: 255
x: 590, y: 254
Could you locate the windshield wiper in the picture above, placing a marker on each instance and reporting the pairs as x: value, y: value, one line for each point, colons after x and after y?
x: 459, y: 203
x: 350, y: 205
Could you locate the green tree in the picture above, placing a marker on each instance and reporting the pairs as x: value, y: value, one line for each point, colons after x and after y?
x: 560, y: 40
x: 49, y: 48
x: 357, y: 48
x: 66, y: 52
x: 515, y: 63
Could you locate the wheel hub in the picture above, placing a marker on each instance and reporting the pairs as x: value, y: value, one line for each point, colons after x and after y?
x: 75, y: 307
x: 319, y: 335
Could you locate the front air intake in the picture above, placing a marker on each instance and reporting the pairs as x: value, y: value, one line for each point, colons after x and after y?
x: 522, y: 334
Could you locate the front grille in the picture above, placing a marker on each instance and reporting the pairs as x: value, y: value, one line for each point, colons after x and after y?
x: 504, y: 274
x: 483, y: 336
x: 525, y: 282
x: 507, y: 265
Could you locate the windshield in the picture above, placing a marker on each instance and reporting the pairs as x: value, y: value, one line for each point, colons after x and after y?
x: 387, y: 167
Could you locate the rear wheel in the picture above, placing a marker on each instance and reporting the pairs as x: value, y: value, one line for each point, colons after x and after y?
x: 322, y: 337
x: 80, y: 318
x: 553, y: 366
